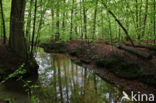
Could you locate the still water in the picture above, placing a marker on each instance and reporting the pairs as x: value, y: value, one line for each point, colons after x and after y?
x: 62, y: 81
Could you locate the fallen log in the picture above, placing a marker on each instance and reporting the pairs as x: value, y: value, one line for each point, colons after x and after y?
x: 136, y: 51
x: 144, y: 46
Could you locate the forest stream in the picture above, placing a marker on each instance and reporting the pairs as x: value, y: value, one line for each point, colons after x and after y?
x: 62, y: 81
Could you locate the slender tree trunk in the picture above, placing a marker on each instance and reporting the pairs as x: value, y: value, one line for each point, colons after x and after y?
x: 81, y: 20
x: 119, y: 34
x: 110, y: 28
x: 17, y: 42
x: 117, y: 20
x: 58, y: 22
x: 43, y: 11
x: 140, y: 21
x: 154, y: 27
x: 52, y: 22
x: 137, y: 18
x: 34, y: 28
x: 71, y: 25
x: 63, y: 22
x: 3, y: 22
x: 95, y: 16
x: 85, y: 20
x: 102, y: 24
x: 76, y: 28
x: 127, y: 18
x: 28, y: 27
x: 75, y: 21
x: 145, y: 18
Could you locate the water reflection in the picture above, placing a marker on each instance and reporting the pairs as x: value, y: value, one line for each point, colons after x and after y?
x: 62, y: 81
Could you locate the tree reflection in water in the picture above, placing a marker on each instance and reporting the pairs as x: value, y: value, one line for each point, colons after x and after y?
x: 62, y: 81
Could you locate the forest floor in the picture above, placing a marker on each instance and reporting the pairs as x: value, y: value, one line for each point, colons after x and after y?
x: 115, y: 65
x: 11, y: 62
x: 8, y: 60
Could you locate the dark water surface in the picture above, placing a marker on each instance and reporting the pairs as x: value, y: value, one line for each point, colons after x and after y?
x: 62, y: 81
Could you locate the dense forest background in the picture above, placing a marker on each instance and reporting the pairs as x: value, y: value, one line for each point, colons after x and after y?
x: 90, y: 19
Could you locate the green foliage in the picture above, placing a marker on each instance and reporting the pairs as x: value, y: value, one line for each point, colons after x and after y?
x: 105, y: 23
x: 19, y: 72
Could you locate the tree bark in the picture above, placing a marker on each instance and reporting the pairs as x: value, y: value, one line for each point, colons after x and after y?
x: 137, y: 52
x: 137, y: 18
x: 95, y: 16
x: 28, y: 27
x: 34, y: 28
x: 64, y: 15
x: 43, y: 12
x: 102, y: 22
x: 154, y: 27
x: 71, y: 25
x: 58, y: 22
x: 17, y: 42
x: 140, y: 21
x: 151, y: 47
x: 3, y: 22
x: 85, y: 20
x: 145, y: 18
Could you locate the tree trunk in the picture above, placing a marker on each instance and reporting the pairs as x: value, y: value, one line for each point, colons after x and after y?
x: 71, y: 25
x: 28, y: 27
x: 85, y: 20
x: 57, y: 22
x: 52, y: 22
x: 81, y: 21
x: 145, y: 18
x: 137, y: 18
x: 110, y: 27
x: 34, y: 28
x: 17, y: 42
x: 154, y: 27
x: 64, y: 15
x: 124, y: 29
x: 140, y: 53
x: 3, y: 22
x: 140, y: 21
x: 95, y: 16
x: 43, y: 11
x: 102, y: 22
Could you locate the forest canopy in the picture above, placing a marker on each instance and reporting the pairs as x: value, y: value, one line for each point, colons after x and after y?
x: 76, y: 19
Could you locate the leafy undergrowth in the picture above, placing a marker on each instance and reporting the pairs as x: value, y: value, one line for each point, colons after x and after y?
x: 119, y: 62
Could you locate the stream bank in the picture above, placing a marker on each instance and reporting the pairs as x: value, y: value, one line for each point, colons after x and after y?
x: 61, y: 80
x: 119, y: 67
x: 14, y: 69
